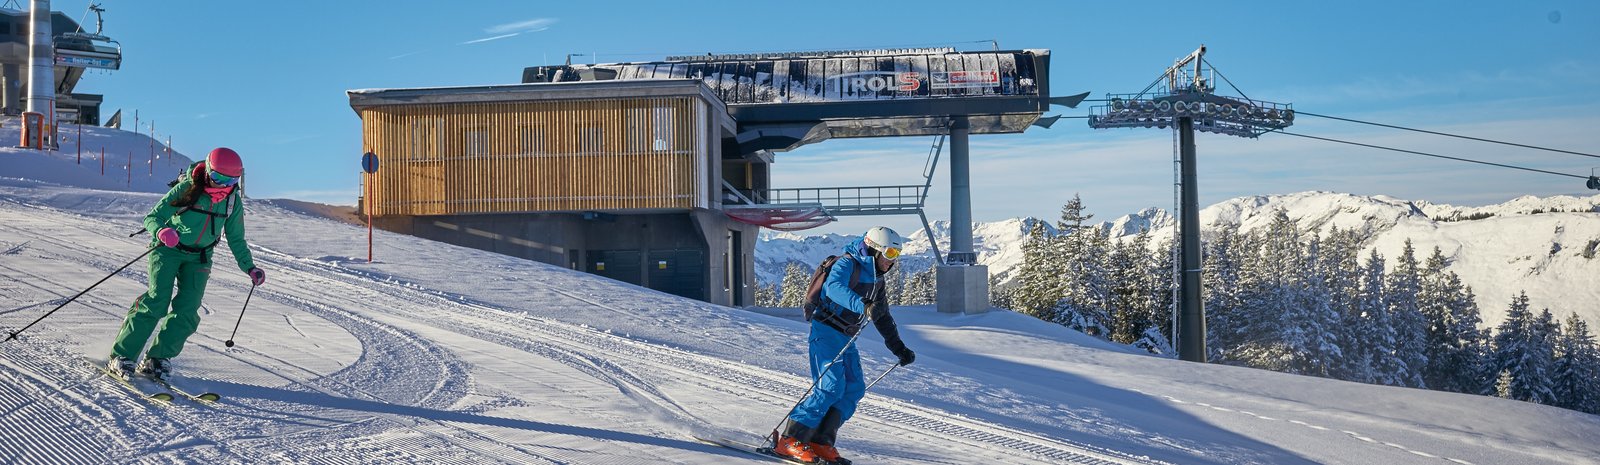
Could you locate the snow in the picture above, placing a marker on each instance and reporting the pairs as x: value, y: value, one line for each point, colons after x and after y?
x: 1513, y: 250
x: 436, y: 353
x: 133, y: 162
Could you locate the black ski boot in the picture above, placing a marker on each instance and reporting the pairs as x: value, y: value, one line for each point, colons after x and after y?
x: 155, y: 368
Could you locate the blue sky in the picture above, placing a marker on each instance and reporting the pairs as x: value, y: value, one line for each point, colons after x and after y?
x: 268, y: 79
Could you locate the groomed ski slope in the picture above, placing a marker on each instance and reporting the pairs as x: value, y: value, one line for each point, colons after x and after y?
x: 440, y: 354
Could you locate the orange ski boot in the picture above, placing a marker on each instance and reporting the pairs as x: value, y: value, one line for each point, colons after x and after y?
x: 793, y: 449
x: 828, y: 454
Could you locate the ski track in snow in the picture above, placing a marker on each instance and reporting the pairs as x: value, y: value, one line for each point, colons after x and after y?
x: 411, y: 370
x: 1359, y: 436
x: 377, y: 364
x: 571, y: 344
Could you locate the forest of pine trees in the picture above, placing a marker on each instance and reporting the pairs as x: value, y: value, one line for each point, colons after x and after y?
x: 1287, y: 299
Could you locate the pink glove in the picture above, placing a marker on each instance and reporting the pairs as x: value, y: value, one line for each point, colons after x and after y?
x: 168, y: 236
x: 257, y: 277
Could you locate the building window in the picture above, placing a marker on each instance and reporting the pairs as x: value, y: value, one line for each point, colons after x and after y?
x: 591, y: 139
x: 533, y: 140
x: 425, y: 141
x: 662, y: 128
x: 476, y: 142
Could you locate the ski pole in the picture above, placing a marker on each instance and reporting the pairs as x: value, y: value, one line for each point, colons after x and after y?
x: 80, y: 294
x: 880, y: 377
x: 847, y: 345
x: 229, y: 342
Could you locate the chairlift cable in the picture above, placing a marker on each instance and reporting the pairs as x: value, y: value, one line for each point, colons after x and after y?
x: 1479, y: 139
x: 1225, y: 79
x: 1280, y: 131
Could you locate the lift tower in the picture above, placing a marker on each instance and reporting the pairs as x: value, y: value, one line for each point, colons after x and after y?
x: 1189, y: 103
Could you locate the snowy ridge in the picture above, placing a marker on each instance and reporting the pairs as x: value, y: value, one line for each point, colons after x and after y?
x: 1511, y: 250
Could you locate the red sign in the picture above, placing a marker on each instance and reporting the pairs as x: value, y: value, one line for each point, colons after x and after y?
x: 960, y: 79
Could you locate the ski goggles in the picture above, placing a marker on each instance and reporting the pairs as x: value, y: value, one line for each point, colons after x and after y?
x: 223, y: 179
x: 892, y: 253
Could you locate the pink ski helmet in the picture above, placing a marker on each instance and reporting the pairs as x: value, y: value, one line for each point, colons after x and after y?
x: 224, y: 160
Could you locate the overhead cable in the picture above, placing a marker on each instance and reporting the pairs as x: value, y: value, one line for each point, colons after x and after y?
x: 1431, y: 155
x: 1479, y: 139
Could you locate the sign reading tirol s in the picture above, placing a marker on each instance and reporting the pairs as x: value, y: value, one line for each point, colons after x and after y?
x: 878, y: 81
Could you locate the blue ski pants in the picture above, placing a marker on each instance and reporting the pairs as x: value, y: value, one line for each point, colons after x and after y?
x: 840, y: 387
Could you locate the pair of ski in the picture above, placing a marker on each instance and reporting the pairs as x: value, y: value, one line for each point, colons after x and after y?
x: 764, y: 451
x: 163, y: 397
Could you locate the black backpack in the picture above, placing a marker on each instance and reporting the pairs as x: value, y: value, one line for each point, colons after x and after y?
x: 814, y: 298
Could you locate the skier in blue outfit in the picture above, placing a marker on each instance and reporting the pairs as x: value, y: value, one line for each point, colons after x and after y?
x: 851, y: 296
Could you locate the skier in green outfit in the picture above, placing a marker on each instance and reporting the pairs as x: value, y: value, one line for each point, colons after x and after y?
x: 202, y: 207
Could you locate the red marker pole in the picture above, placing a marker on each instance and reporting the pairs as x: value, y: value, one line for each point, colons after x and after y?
x: 369, y: 168
x: 102, y: 161
x: 80, y: 143
x: 130, y: 168
x: 367, y: 204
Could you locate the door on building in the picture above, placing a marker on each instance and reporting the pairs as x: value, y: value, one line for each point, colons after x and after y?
x: 735, y: 267
x: 621, y: 265
x: 679, y: 272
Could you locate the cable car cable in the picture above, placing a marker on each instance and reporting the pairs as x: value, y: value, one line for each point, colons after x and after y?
x: 1479, y: 139
x: 1430, y: 154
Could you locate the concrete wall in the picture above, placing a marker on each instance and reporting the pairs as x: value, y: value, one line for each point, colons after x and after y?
x: 577, y: 241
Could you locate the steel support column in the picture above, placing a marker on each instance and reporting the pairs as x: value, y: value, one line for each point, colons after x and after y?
x: 1192, y: 319
x: 961, y: 252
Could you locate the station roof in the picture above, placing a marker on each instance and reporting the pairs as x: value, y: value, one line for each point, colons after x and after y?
x: 813, y: 96
x: 362, y: 99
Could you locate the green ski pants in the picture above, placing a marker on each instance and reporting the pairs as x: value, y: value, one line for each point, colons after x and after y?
x: 177, y: 314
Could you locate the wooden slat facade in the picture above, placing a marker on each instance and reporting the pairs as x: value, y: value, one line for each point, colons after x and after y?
x: 647, y: 153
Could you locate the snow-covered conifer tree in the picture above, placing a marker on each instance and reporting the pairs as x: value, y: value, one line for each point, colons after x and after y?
x: 1129, y: 307
x: 1268, y: 324
x: 1410, y: 327
x: 1317, y: 349
x: 1577, y: 368
x: 796, y: 281
x: 1454, y: 341
x: 1340, y: 268
x: 1373, y: 341
x: 1222, y: 261
x: 1038, y: 288
x: 1523, y: 355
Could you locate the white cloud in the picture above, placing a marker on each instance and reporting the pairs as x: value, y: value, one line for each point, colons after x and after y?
x: 531, y: 25
x: 486, y: 39
x: 403, y: 55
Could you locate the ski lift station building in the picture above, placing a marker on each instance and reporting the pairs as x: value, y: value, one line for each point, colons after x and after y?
x: 74, y: 51
x: 658, y: 173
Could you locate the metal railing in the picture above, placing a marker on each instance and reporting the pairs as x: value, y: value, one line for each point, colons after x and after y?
x: 866, y: 200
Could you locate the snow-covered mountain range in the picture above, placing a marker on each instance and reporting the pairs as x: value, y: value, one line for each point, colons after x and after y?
x: 1549, y: 246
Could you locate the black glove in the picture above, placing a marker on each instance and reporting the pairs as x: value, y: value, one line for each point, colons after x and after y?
x: 906, y: 356
x: 852, y: 329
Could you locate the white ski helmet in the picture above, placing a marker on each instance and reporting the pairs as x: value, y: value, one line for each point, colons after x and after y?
x: 884, y: 240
